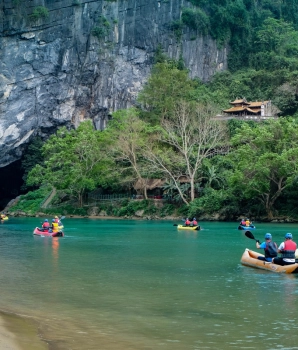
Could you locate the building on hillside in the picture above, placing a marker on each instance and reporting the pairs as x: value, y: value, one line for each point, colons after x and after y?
x: 153, y: 187
x: 258, y: 110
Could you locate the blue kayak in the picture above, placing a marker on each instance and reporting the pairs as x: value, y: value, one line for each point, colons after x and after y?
x: 247, y: 228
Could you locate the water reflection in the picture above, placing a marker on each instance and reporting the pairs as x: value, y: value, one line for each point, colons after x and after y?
x: 55, y: 250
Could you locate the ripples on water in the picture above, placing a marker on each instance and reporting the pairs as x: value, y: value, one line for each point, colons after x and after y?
x: 146, y: 285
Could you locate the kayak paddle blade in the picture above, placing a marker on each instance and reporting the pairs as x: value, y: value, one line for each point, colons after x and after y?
x: 248, y: 234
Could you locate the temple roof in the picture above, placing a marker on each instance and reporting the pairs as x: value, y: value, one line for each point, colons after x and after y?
x: 257, y: 103
x: 235, y: 109
x: 240, y: 101
x: 255, y: 110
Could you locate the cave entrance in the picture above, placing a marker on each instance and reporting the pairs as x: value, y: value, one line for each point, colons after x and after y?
x: 11, y: 182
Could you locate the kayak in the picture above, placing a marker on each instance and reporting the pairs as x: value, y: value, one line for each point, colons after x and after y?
x: 46, y: 232
x: 182, y: 227
x: 249, y: 228
x: 4, y: 218
x: 250, y: 258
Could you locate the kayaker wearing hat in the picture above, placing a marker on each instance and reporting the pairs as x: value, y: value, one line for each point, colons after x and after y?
x: 270, y: 248
x: 57, y: 221
x: 287, y: 250
x: 46, y: 224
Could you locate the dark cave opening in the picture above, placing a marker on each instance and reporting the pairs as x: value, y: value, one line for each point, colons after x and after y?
x: 11, y: 182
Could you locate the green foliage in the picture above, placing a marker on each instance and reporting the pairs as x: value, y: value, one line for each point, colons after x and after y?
x: 39, y: 12
x: 167, y: 210
x: 166, y: 85
x: 99, y: 32
x: 265, y: 160
x: 196, y: 19
x: 73, y: 162
x: 159, y: 56
x: 66, y: 209
x: 102, y: 29
x: 176, y: 27
x: 134, y: 205
x: 211, y: 202
x: 32, y: 157
x: 17, y: 2
x: 30, y: 203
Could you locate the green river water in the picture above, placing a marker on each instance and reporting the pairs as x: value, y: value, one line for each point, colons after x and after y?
x: 139, y: 285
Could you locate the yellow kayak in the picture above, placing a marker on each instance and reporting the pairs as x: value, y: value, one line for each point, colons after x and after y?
x: 4, y: 218
x: 182, y: 227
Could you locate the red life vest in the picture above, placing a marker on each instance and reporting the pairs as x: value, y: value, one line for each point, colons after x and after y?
x: 289, y: 250
x: 45, y: 225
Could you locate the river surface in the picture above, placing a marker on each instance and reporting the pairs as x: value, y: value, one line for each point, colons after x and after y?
x: 136, y: 285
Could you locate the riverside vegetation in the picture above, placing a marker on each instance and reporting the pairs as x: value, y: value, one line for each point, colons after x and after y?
x: 233, y: 167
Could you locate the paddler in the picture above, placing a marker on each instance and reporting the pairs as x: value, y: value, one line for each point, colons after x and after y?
x: 55, y: 226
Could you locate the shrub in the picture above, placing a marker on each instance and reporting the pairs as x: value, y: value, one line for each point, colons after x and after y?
x: 30, y: 203
x: 102, y: 29
x: 167, y: 209
x: 39, y: 12
x: 196, y: 20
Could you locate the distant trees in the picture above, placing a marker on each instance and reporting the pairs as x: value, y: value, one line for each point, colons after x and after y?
x: 130, y: 137
x: 265, y: 159
x: 186, y: 138
x: 74, y: 161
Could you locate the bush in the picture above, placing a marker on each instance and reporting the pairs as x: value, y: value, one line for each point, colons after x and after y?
x: 67, y: 210
x: 196, y: 20
x: 39, y: 12
x: 167, y: 209
x: 30, y: 203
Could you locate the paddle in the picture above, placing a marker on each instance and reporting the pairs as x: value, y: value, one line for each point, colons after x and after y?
x: 248, y: 234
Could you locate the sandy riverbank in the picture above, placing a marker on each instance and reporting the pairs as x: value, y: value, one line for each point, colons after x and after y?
x: 18, y: 333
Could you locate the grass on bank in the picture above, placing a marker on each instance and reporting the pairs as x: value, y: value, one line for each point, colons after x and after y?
x: 31, y: 202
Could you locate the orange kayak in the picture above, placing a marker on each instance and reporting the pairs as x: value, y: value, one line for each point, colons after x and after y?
x: 250, y: 258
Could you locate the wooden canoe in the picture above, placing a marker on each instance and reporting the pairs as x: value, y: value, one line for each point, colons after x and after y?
x: 250, y: 258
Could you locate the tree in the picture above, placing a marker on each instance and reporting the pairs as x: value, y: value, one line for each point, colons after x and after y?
x: 166, y: 85
x: 185, y: 140
x: 265, y: 160
x: 75, y: 161
x: 129, y: 134
x: 32, y: 156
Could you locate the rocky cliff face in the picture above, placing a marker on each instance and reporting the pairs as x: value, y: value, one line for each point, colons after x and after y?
x: 84, y: 59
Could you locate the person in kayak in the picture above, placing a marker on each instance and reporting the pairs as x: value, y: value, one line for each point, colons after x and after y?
x: 270, y: 248
x: 55, y: 226
x: 187, y: 222
x: 194, y: 222
x: 242, y: 222
x: 247, y: 222
x: 287, y: 250
x: 58, y: 221
x: 46, y: 224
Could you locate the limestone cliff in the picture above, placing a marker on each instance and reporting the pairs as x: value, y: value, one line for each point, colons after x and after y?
x: 84, y: 59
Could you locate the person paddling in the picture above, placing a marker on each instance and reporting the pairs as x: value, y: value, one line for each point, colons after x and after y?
x: 270, y: 248
x: 55, y: 226
x: 58, y: 221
